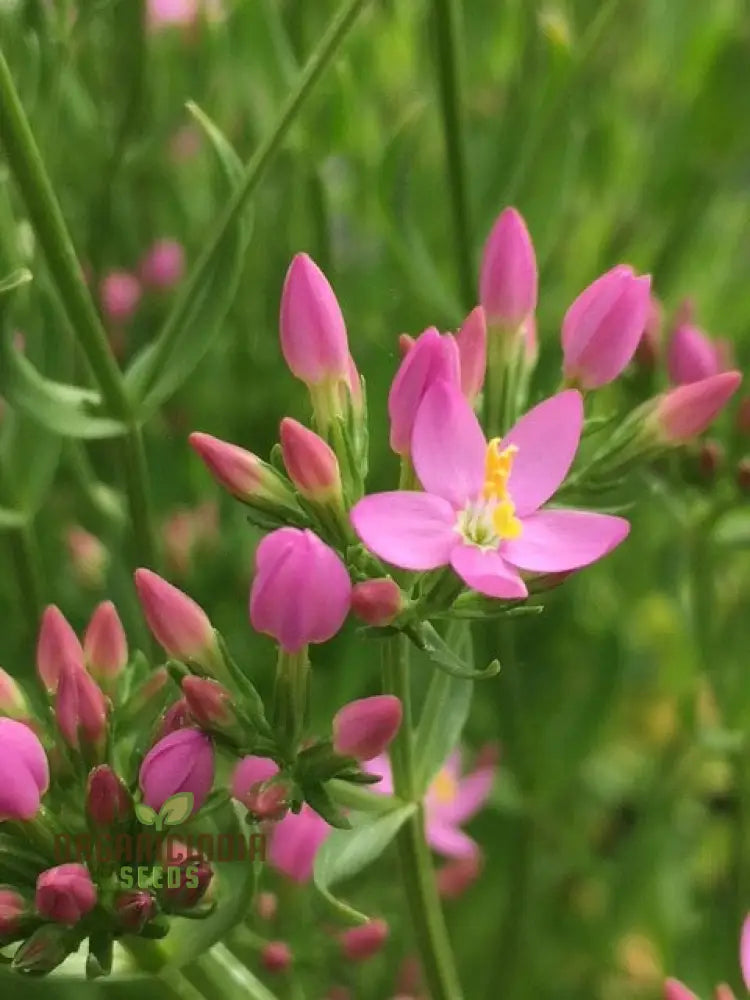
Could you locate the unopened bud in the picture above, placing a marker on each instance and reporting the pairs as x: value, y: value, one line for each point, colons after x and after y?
x: 134, y: 909
x: 14, y: 908
x: 687, y: 410
x: 80, y: 709
x: 105, y: 646
x: 255, y: 783
x: 311, y: 463
x: 177, y: 716
x: 361, y: 943
x: 57, y: 646
x: 244, y: 475
x: 266, y: 905
x: 210, y: 704
x: 377, y: 602
x: 47, y: 948
x: 107, y: 799
x: 65, y: 894
x: 276, y: 956
x: 192, y: 884
x: 458, y: 875
x: 88, y: 555
x: 364, y: 728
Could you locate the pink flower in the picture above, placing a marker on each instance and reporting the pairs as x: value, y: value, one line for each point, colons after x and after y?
x: 163, y: 265
x: 365, y: 727
x: 508, y: 275
x: 120, y: 294
x: 295, y: 841
x: 181, y: 762
x: 431, y: 358
x: 450, y: 802
x: 480, y: 511
x: 253, y: 787
x: 602, y: 328
x: 24, y: 771
x: 80, y: 709
x: 691, y: 356
x: 65, y: 894
x: 301, y: 590
x: 360, y: 943
x: 57, y: 646
x: 105, y: 646
x: 675, y: 990
x: 107, y: 799
x: 249, y: 772
x: 472, y: 353
x: 687, y: 410
x: 276, y: 956
x: 313, y: 332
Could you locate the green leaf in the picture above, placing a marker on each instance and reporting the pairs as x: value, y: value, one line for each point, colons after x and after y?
x: 345, y: 853
x: 318, y: 799
x: 195, y: 320
x: 11, y: 519
x: 177, y: 809
x: 443, y: 717
x: 65, y: 409
x: 145, y: 814
x: 434, y: 646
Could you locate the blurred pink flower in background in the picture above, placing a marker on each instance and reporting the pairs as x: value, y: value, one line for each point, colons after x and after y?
x: 89, y: 558
x: 676, y: 990
x: 295, y: 841
x: 163, y: 265
x: 182, y: 13
x: 120, y: 295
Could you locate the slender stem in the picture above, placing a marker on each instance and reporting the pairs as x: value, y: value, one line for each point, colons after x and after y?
x: 446, y: 18
x: 318, y: 62
x: 414, y: 854
x: 229, y: 977
x: 25, y: 554
x: 180, y: 986
x: 27, y: 166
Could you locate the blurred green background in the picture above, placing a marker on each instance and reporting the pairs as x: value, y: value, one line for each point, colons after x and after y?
x: 615, y: 843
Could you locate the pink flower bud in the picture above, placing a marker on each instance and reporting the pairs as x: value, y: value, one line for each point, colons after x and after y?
x: 508, y: 274
x: 13, y: 909
x: 24, y: 771
x: 80, y: 709
x: 240, y: 472
x: 163, y: 265
x: 179, y: 625
x: 177, y: 716
x: 675, y: 990
x: 313, y: 332
x: 602, y: 328
x: 458, y: 875
x: 88, y: 556
x: 295, y: 842
x: 691, y: 356
x: 686, y: 411
x: 249, y: 772
x: 252, y: 785
x: 431, y: 358
x: 57, y: 646
x: 47, y: 948
x: 134, y: 909
x: 266, y: 905
x: 276, y: 956
x: 377, y: 602
x: 210, y: 704
x: 107, y: 799
x: 13, y: 702
x: 181, y: 762
x: 65, y: 894
x: 120, y: 296
x: 361, y: 943
x: 354, y: 385
x: 301, y: 589
x: 194, y: 879
x: 311, y: 463
x: 105, y: 646
x: 472, y: 353
x: 364, y: 728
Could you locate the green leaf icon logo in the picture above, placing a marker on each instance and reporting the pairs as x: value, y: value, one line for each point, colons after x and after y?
x: 176, y: 810
x: 145, y: 814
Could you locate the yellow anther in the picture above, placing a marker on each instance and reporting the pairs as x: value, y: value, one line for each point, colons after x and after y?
x: 497, y: 468
x: 504, y: 520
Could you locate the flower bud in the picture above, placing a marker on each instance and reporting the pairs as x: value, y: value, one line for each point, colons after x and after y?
x: 675, y: 990
x: 194, y: 878
x: 47, y: 948
x: 177, y: 716
x: 88, y: 556
x: 649, y: 346
x: 472, y: 353
x: 210, y: 704
x: 508, y: 274
x: 431, y: 358
x: 254, y: 787
x: 65, y: 894
x: 181, y: 762
x: 364, y: 728
x: 743, y: 475
x: 458, y: 875
x: 311, y: 463
x: 13, y: 702
x: 163, y: 266
x: 13, y: 909
x: 276, y: 956
x: 361, y: 943
x: 723, y: 992
x: 24, y: 771
x: 686, y: 411
x: 105, y: 646
x: 313, y: 332
x: 266, y: 905
x: 301, y: 590
x: 80, y: 709
x: 354, y: 386
x: 377, y: 602
x: 241, y: 473
x: 57, y: 646
x: 108, y: 801
x: 691, y: 356
x: 120, y: 296
x: 134, y: 909
x: 602, y: 328
x: 179, y: 625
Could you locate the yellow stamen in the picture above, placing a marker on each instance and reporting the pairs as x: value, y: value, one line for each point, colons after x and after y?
x: 504, y: 520
x: 497, y: 468
x: 444, y: 787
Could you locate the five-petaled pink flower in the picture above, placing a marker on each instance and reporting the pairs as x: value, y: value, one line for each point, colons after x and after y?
x: 480, y: 511
x: 451, y: 801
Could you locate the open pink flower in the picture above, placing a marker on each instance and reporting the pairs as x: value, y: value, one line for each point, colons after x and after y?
x: 451, y: 801
x: 480, y: 512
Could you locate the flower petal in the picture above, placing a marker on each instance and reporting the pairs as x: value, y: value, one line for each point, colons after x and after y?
x: 381, y: 766
x: 449, y: 840
x: 486, y: 571
x: 448, y: 445
x: 745, y: 952
x: 473, y: 792
x: 553, y: 541
x: 547, y: 438
x: 410, y: 530
x: 675, y: 990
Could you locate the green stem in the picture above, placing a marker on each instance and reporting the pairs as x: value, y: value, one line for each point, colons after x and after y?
x: 318, y: 62
x: 414, y: 854
x: 27, y: 167
x: 25, y: 554
x: 290, y: 697
x: 446, y: 19
x: 228, y: 977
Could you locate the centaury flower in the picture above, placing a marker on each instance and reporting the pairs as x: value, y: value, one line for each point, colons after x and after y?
x: 481, y: 509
